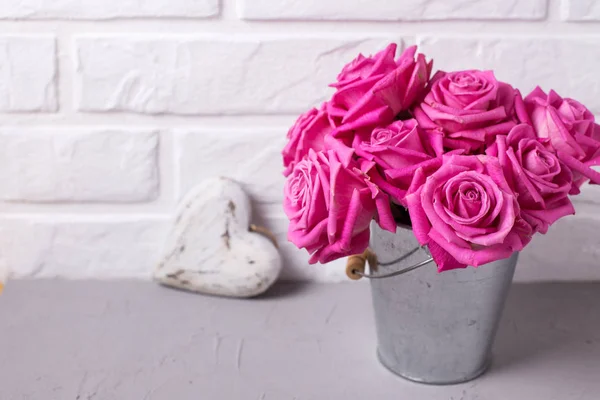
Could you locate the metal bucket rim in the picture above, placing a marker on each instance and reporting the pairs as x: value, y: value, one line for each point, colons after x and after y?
x: 355, y: 267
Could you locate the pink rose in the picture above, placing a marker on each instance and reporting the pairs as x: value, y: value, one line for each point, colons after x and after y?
x: 371, y: 91
x: 570, y: 129
x: 466, y: 213
x: 541, y: 181
x: 308, y: 132
x: 398, y: 150
x: 330, y: 203
x: 467, y: 109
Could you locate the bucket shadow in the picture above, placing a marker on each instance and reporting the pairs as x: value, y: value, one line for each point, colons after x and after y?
x: 548, y: 321
x: 285, y: 289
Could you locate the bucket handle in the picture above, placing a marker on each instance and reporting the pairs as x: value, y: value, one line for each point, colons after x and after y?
x: 355, y: 267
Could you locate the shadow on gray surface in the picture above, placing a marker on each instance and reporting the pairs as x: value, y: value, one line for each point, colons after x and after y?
x: 549, y: 320
x: 278, y: 290
x: 285, y: 289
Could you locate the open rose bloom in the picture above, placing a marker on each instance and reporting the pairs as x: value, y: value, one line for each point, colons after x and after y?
x: 478, y: 167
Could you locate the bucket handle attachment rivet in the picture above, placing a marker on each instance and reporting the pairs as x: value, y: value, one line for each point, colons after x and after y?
x: 355, y: 266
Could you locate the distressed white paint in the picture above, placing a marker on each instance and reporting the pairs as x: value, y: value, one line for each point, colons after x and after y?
x: 211, y: 249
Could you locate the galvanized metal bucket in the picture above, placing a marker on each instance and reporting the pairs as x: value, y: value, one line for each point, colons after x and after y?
x: 435, y: 328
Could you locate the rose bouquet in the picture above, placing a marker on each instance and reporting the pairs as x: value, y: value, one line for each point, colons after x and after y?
x: 473, y: 167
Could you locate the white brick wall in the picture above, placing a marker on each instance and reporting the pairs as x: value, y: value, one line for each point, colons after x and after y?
x: 75, y: 165
x: 107, y: 9
x: 27, y: 73
x: 212, y: 75
x: 81, y: 247
x: 581, y: 10
x: 381, y: 10
x: 111, y: 110
x: 257, y: 152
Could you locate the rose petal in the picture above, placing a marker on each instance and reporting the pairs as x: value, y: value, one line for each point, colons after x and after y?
x: 579, y: 167
x: 443, y: 259
x: 472, y: 257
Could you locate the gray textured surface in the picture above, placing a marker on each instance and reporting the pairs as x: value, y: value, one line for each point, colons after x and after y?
x: 130, y: 341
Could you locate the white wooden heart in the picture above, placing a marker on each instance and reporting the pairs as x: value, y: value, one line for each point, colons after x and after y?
x: 211, y: 250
